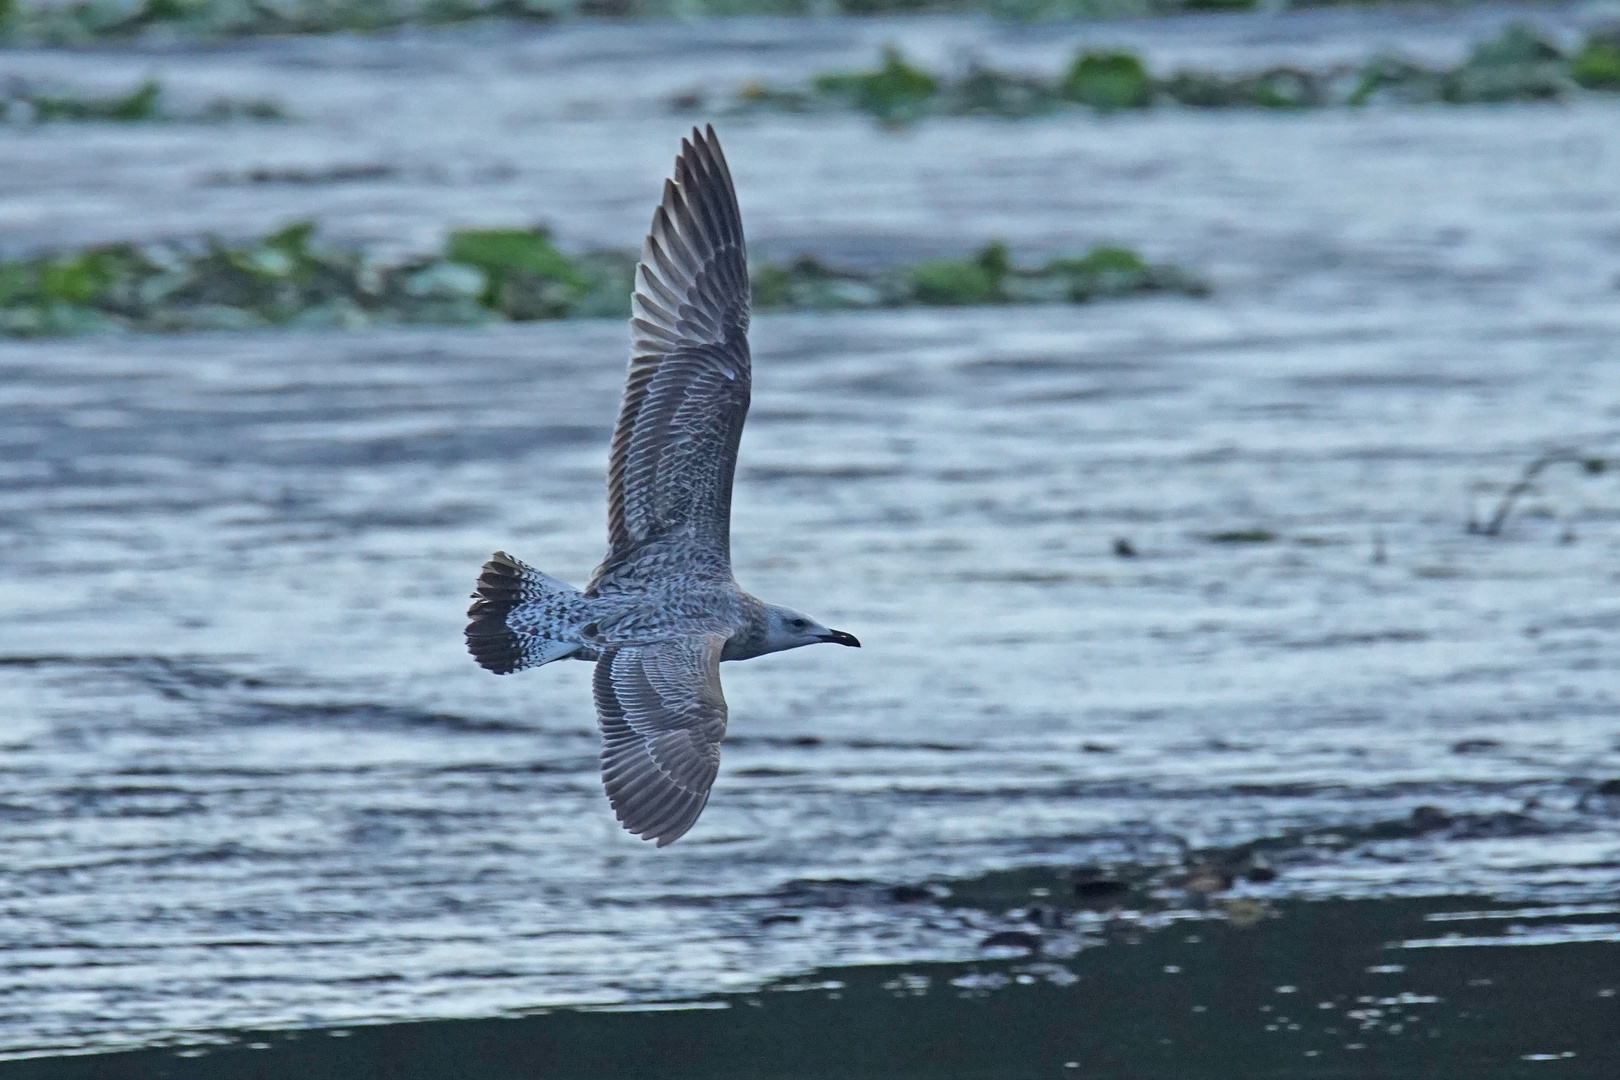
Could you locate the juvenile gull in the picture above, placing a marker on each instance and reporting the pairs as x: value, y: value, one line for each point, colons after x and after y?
x: 663, y: 609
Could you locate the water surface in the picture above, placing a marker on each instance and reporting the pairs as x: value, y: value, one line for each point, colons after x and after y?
x: 253, y: 782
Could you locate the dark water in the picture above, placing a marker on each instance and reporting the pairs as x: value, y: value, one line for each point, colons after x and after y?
x: 1408, y: 987
x: 251, y: 782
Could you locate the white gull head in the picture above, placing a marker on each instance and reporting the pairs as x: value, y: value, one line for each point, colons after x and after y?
x: 789, y: 629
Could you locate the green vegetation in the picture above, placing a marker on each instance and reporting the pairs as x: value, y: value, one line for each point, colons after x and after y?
x: 525, y: 276
x: 1108, y: 81
x: 949, y: 282
x: 1274, y: 88
x: 987, y: 277
x: 50, y: 22
x: 21, y: 102
x: 80, y: 21
x: 987, y: 92
x: 1517, y: 65
x: 895, y: 93
x: 287, y: 279
x: 140, y: 104
x: 1597, y: 65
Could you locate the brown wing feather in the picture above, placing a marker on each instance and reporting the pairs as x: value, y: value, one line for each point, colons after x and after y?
x: 686, y: 396
x: 662, y: 716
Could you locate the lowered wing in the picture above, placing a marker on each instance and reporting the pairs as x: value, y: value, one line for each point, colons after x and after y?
x: 662, y: 716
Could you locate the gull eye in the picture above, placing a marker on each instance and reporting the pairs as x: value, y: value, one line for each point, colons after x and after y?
x: 799, y: 624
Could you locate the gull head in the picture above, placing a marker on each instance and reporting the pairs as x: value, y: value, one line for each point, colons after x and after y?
x: 788, y: 629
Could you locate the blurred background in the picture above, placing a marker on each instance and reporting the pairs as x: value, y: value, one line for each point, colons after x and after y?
x: 1204, y: 413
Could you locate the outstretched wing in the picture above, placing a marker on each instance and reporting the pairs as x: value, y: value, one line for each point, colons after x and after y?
x: 662, y: 716
x: 675, y: 446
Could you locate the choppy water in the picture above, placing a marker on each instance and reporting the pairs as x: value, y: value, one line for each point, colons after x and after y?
x: 251, y: 780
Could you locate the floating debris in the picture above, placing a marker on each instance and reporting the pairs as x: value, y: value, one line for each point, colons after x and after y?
x: 1243, y: 536
x: 1516, y: 65
x: 1244, y: 913
x: 483, y: 275
x: 332, y: 174
x: 1013, y: 939
x: 1094, y: 887
x: 780, y: 918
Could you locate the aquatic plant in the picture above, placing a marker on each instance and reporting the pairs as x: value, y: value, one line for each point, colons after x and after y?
x: 962, y: 281
x: 1597, y: 65
x: 49, y: 22
x: 985, y: 91
x: 52, y: 22
x: 22, y: 102
x: 140, y: 104
x: 987, y: 277
x: 1104, y: 81
x: 525, y: 276
x: 894, y: 93
x: 1273, y: 88
x: 1516, y: 65
x: 484, y: 275
x: 1107, y: 81
x: 1390, y: 78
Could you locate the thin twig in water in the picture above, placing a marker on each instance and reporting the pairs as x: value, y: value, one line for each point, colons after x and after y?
x: 1527, y: 480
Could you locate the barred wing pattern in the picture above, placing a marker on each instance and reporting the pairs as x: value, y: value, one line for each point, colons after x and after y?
x: 662, y: 715
x: 675, y: 447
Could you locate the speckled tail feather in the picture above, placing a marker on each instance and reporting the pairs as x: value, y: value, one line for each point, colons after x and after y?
x: 523, y: 618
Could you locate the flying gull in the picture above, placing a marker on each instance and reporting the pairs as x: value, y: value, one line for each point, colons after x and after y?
x: 663, y: 608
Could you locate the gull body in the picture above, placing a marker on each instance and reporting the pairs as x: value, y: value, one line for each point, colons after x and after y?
x: 663, y: 610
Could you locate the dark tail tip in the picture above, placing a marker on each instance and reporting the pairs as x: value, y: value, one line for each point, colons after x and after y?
x: 499, y: 590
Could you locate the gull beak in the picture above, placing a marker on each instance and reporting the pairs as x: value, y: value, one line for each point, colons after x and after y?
x: 838, y: 637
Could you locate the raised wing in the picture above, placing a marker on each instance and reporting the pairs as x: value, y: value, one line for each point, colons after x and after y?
x: 662, y: 716
x: 675, y: 447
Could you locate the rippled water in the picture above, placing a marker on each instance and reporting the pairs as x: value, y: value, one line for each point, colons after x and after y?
x: 1315, y: 989
x: 251, y: 779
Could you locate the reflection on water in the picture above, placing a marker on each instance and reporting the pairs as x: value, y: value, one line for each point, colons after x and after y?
x: 1297, y: 989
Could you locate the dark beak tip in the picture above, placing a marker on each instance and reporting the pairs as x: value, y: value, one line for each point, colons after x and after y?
x: 838, y: 637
